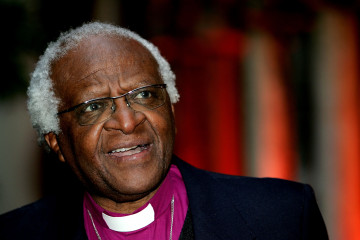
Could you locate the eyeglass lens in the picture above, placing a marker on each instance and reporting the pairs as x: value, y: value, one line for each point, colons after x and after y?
x: 100, y: 110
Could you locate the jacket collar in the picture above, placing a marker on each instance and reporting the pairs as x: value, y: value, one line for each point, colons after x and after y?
x: 215, y: 212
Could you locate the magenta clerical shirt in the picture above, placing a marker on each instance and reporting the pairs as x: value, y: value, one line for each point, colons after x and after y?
x: 161, y: 217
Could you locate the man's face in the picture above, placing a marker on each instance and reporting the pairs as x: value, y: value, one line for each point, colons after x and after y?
x: 107, y: 67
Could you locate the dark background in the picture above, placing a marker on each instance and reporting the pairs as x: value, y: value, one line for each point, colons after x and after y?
x: 233, y: 116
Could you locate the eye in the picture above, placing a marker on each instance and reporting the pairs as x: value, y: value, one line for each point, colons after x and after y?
x: 146, y: 98
x: 144, y: 94
x: 93, y: 106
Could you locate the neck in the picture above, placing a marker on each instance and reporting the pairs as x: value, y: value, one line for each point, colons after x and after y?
x: 124, y: 207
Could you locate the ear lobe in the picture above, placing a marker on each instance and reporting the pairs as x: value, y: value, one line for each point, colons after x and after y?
x: 52, y: 141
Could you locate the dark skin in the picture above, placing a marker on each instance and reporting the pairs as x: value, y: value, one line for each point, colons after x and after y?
x: 103, y: 66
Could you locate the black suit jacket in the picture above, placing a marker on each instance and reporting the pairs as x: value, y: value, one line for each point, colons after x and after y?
x: 221, y: 206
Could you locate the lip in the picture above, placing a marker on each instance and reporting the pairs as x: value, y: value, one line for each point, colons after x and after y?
x: 128, y: 149
x: 130, y: 152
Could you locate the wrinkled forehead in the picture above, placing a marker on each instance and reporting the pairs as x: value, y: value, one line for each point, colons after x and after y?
x: 99, y: 52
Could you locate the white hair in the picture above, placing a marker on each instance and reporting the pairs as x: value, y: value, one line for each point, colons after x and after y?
x: 43, y: 104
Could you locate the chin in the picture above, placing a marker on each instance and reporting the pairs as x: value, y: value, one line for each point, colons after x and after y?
x: 131, y: 195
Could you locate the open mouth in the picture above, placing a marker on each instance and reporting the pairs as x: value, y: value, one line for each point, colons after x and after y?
x: 129, y: 151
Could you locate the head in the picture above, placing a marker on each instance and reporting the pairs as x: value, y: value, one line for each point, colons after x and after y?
x: 126, y: 156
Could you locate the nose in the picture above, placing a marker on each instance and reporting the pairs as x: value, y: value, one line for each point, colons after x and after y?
x: 124, y: 117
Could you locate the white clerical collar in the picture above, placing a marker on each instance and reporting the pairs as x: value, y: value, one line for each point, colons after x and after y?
x: 131, y: 222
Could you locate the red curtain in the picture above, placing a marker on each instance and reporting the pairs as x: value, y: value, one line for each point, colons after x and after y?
x: 208, y: 116
x: 348, y: 127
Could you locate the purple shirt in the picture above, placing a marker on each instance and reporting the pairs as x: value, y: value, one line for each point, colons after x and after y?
x: 154, y: 220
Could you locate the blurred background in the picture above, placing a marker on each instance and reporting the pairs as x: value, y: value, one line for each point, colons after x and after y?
x: 269, y: 88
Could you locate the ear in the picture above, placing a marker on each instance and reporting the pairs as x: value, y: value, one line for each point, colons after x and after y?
x: 173, y: 109
x: 52, y: 141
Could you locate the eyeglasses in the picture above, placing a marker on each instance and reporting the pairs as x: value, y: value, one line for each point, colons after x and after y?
x: 100, y: 109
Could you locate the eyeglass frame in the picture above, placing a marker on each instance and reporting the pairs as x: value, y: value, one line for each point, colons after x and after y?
x: 162, y: 86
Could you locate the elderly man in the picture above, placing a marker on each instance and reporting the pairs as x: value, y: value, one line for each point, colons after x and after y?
x: 101, y: 98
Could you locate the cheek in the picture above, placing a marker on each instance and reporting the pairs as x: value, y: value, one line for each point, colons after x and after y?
x: 163, y: 124
x: 88, y: 142
x: 81, y: 157
x: 86, y: 139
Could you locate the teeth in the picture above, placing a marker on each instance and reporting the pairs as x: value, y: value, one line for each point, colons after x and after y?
x: 124, y: 149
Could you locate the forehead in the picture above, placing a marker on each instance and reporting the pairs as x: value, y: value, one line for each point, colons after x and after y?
x: 98, y: 56
x: 100, y: 52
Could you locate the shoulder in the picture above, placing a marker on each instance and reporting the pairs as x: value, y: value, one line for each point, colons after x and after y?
x: 52, y: 216
x: 284, y: 209
x: 265, y: 194
x: 25, y: 220
x: 261, y: 187
x: 41, y: 206
x: 251, y: 186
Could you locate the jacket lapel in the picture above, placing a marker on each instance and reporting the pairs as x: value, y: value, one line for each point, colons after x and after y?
x: 214, y: 212
x: 187, y: 231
